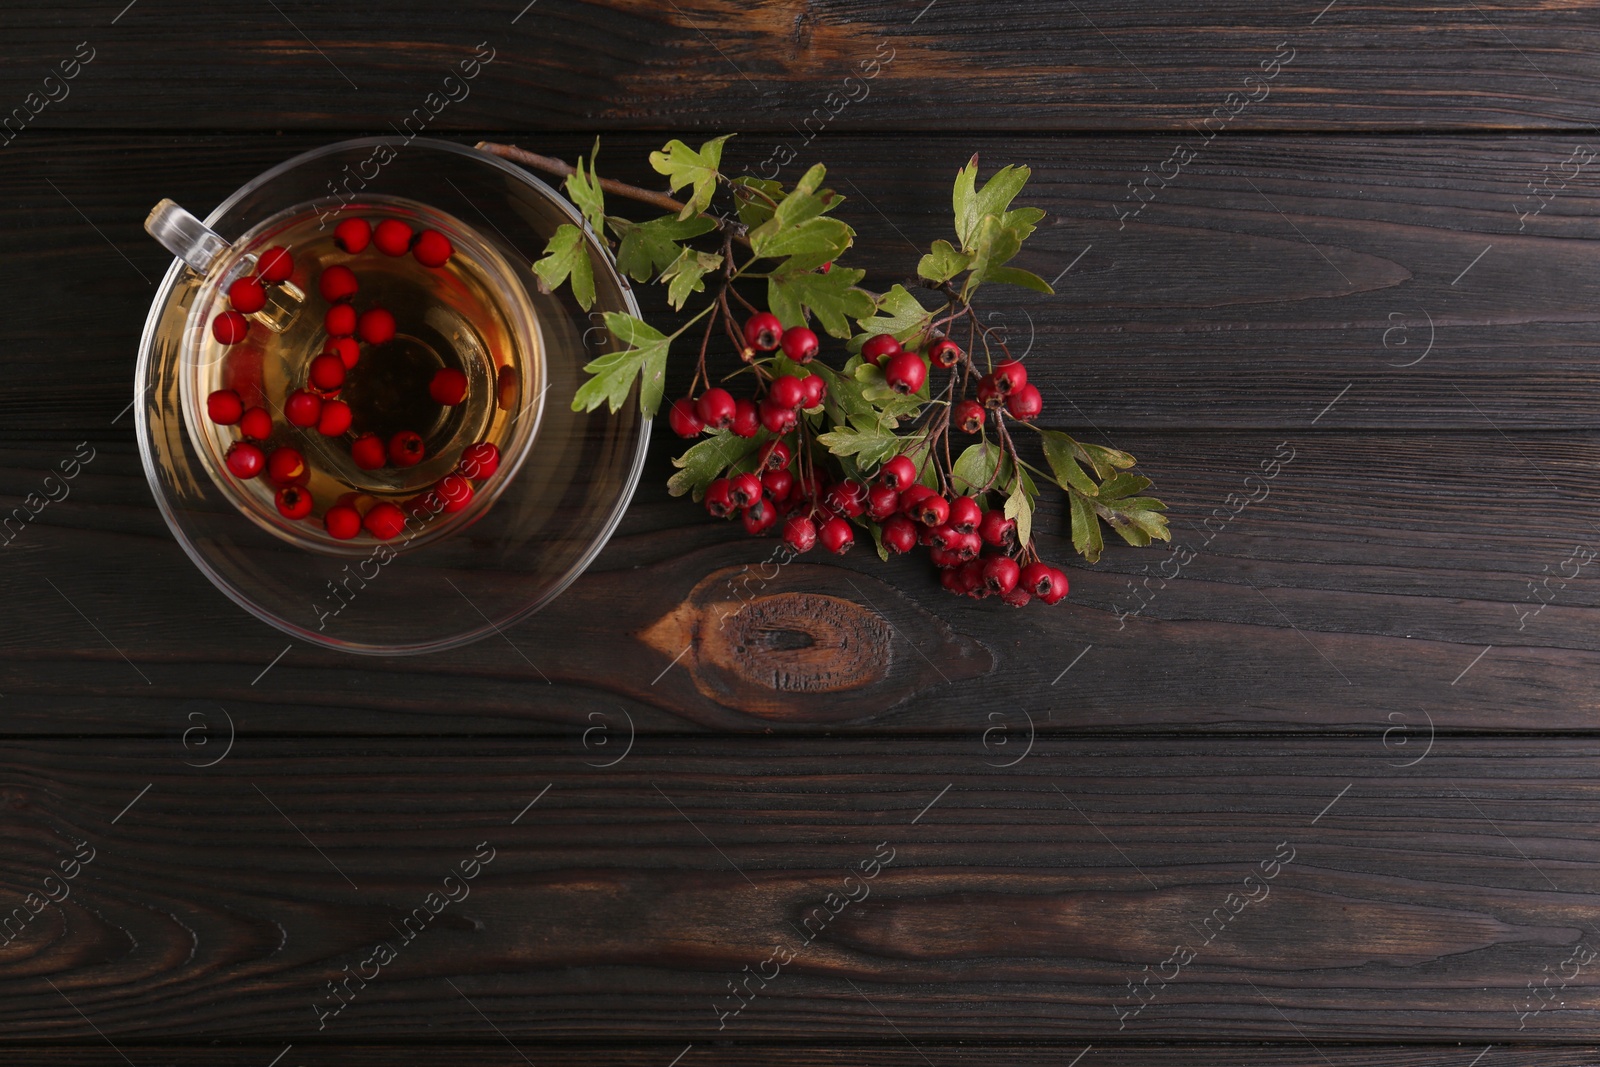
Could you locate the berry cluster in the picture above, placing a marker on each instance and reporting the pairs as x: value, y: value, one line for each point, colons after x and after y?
x: 316, y: 405
x: 975, y: 548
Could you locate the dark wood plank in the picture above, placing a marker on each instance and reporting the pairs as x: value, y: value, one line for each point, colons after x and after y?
x: 1210, y: 309
x: 720, y: 64
x: 1007, y: 905
x: 1364, y: 584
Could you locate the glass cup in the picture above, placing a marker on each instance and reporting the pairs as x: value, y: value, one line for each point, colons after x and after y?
x: 464, y: 564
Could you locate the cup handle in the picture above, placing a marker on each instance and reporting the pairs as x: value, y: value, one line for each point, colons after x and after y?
x: 184, y: 235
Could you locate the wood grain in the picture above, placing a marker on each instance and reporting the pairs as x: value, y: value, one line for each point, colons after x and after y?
x: 719, y: 64
x: 1014, y: 905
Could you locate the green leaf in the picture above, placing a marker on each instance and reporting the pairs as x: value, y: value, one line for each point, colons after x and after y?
x: 1103, y: 461
x: 943, y: 263
x: 1017, y: 276
x: 978, y: 467
x: 706, y: 459
x: 1019, y: 507
x: 870, y: 448
x: 972, y: 204
x: 754, y: 209
x: 612, y: 374
x: 687, y: 275
x: 684, y: 166
x: 877, y: 539
x: 651, y: 247
x: 831, y: 297
x: 899, y: 314
x: 1060, y: 451
x: 584, y: 191
x: 566, y: 255
x: 1085, y: 528
x: 1121, y: 485
x: 1137, y: 519
x: 815, y: 237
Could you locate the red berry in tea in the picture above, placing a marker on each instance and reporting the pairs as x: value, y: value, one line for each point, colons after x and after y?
x: 392, y: 237
x: 340, y: 321
x: 326, y: 372
x: 247, y: 295
x: 224, y: 407
x: 353, y: 235
x: 293, y: 502
x: 286, y: 466
x: 455, y: 491
x: 347, y: 350
x: 337, y: 283
x: 448, y: 387
x: 406, y: 448
x: 384, y: 521
x: 335, y: 418
x: 256, y: 424
x: 369, y: 452
x: 342, y: 521
x: 244, y: 459
x: 275, y: 265
x: 230, y: 327
x: 302, y: 408
x: 432, y: 249
x: 480, y: 460
x: 375, y: 326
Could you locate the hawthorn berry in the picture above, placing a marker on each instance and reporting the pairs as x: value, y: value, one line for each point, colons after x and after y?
x: 302, y: 408
x: 778, y: 485
x: 1000, y: 574
x: 716, y: 408
x: 899, y: 534
x: 912, y: 495
x: 815, y: 389
x: 353, y: 235
x: 1025, y: 403
x: 951, y: 580
x: 944, y: 558
x: 965, y: 514
x: 897, y: 473
x: 230, y: 327
x: 763, y: 331
x: 1039, y: 579
x: 1018, y: 597
x: 293, y: 502
x: 906, y: 372
x: 347, y: 350
x: 760, y: 516
x: 335, y: 418
x: 342, y: 521
x: 326, y: 372
x: 944, y: 353
x: 455, y: 491
x: 286, y: 466
x: 480, y: 460
x: 1010, y: 376
x: 244, y: 459
x: 448, y: 387
x: 247, y: 295
x: 800, y: 533
x: 406, y: 448
x: 968, y: 416
x: 800, y: 344
x: 744, y: 489
x: 433, y: 249
x: 836, y: 536
x: 384, y: 521
x: 256, y: 424
x: 882, y: 502
x: 746, y: 418
x: 275, y: 265
x: 1058, y: 588
x: 878, y: 348
x: 224, y: 407
x: 369, y: 452
x: 847, y: 497
x: 786, y: 391
x: 947, y: 538
x: 337, y: 283
x: 932, y: 510
x: 340, y: 321
x: 718, y: 501
x: 997, y: 530
x: 775, y: 456
x: 776, y: 417
x: 392, y: 237
x: 375, y: 326
x: 988, y: 393
x: 683, y: 419
x: 972, y: 579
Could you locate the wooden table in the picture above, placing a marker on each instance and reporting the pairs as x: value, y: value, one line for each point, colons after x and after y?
x: 1328, y: 798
